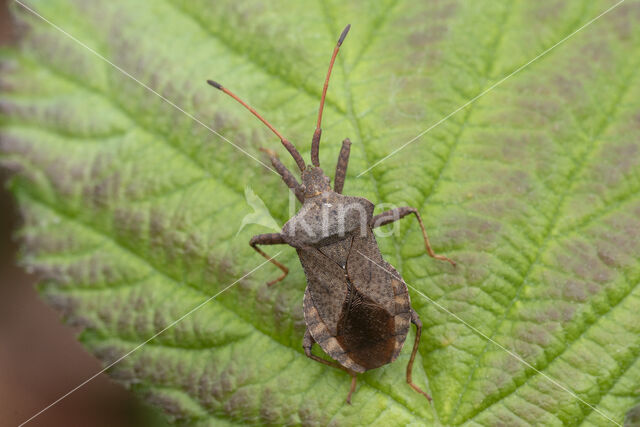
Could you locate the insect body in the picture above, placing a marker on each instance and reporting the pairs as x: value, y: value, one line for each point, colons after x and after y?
x: 356, y: 305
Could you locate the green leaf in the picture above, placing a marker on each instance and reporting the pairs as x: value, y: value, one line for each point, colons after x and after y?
x: 131, y: 208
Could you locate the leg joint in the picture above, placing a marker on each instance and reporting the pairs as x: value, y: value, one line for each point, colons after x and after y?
x: 415, y: 319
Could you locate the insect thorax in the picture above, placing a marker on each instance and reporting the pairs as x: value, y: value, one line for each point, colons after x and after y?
x: 327, y: 218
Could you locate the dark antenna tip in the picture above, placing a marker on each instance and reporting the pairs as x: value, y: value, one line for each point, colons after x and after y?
x: 344, y: 34
x: 215, y: 84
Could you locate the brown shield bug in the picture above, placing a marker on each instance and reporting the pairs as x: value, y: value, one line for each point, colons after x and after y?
x: 356, y: 311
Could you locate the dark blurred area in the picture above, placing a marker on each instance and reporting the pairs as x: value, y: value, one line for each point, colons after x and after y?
x: 40, y: 359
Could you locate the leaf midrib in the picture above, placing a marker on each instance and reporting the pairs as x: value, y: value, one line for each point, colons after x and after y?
x: 357, y: 126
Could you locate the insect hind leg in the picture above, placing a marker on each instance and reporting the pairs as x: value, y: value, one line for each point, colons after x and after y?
x: 354, y: 378
x: 416, y: 321
x: 307, y: 345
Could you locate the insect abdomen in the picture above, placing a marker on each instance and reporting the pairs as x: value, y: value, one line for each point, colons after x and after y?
x: 366, y: 330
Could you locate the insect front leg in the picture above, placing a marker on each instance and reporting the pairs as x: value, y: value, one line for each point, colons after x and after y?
x: 307, y: 345
x: 392, y: 215
x: 416, y: 321
x: 286, y: 174
x: 270, y: 239
x: 341, y: 167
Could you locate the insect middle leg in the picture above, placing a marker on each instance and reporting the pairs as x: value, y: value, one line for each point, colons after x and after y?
x: 286, y: 174
x: 270, y: 239
x: 307, y: 345
x: 392, y: 215
x: 341, y: 167
x: 416, y: 321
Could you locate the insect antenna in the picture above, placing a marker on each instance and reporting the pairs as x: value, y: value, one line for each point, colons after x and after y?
x: 288, y: 145
x: 315, y: 141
